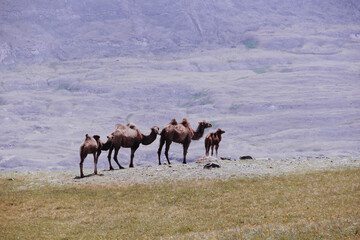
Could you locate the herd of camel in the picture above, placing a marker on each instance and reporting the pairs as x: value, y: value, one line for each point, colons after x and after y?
x: 129, y: 136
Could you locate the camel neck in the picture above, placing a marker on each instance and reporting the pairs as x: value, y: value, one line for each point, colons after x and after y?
x: 149, y: 138
x: 198, y: 133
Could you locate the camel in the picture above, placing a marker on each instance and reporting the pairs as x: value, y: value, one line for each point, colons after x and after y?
x: 91, y: 145
x: 180, y: 133
x: 128, y: 136
x: 211, y: 140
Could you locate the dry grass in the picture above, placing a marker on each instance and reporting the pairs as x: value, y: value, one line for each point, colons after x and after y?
x: 302, y: 206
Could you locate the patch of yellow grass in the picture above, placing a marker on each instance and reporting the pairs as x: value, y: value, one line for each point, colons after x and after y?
x: 303, y: 206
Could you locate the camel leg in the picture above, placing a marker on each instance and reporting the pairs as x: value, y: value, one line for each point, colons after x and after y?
x: 167, y: 147
x: 97, y: 158
x: 95, y: 163
x: 81, y: 167
x: 216, y: 149
x: 82, y: 158
x: 133, y: 149
x: 115, y: 157
x: 162, y: 142
x: 212, y: 149
x: 185, y: 148
x: 109, y: 157
x: 207, y: 148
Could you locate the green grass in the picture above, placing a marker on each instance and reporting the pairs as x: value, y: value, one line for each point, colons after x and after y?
x: 251, y: 43
x: 260, y: 70
x: 235, y: 107
x: 286, y: 70
x: 200, y: 98
x: 128, y: 117
x: 303, y: 206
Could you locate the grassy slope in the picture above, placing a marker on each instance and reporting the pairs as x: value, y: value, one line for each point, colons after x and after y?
x: 318, y: 204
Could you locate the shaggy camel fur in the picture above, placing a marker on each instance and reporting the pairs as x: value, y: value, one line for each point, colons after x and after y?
x: 211, y: 140
x: 128, y: 136
x: 180, y: 133
x: 91, y: 145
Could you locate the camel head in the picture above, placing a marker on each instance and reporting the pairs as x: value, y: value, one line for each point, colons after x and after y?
x: 155, y: 129
x: 203, y: 124
x: 219, y: 131
x: 106, y: 146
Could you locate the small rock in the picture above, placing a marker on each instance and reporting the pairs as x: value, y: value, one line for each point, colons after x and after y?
x: 245, y: 157
x: 11, y: 179
x: 205, y: 159
x: 211, y: 165
x: 225, y: 158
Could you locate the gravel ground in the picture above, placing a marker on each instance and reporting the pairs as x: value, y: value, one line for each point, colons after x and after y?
x: 191, y: 171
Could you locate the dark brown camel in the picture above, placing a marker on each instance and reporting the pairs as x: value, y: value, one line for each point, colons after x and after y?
x: 211, y: 140
x: 180, y: 133
x: 91, y: 145
x: 128, y: 136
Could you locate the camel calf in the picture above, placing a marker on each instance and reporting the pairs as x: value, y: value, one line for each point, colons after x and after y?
x: 91, y: 145
x: 211, y: 140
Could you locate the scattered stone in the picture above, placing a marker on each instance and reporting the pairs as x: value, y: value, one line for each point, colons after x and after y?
x: 205, y: 159
x: 11, y: 179
x: 211, y: 165
x: 245, y: 157
x: 225, y: 158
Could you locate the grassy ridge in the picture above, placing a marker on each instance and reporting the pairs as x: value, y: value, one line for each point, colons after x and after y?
x: 321, y: 204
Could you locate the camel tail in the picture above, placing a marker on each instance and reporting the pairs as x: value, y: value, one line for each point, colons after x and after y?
x: 82, y: 150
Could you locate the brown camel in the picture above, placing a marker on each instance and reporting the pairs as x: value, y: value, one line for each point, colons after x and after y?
x: 91, y: 145
x: 180, y: 133
x: 128, y: 136
x: 211, y: 140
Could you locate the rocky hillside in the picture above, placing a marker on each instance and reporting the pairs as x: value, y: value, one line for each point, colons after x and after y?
x: 280, y: 77
x: 39, y: 31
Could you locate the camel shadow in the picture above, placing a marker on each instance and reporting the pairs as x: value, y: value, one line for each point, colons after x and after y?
x: 115, y: 169
x: 89, y: 175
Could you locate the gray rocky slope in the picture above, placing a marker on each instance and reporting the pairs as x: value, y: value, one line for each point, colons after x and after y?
x: 280, y: 77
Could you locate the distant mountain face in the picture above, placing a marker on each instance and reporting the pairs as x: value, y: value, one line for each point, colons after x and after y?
x: 38, y: 30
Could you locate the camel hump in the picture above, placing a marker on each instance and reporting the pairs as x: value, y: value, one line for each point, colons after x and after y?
x: 173, y: 121
x: 97, y: 137
x: 131, y: 125
x: 119, y: 125
x: 185, y: 122
x: 87, y: 136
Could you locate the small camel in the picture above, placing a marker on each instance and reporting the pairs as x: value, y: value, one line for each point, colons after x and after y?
x: 91, y: 145
x: 128, y: 136
x: 180, y: 133
x: 211, y: 140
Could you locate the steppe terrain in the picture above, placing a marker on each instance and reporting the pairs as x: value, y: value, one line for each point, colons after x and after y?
x: 271, y: 103
x: 281, y: 78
